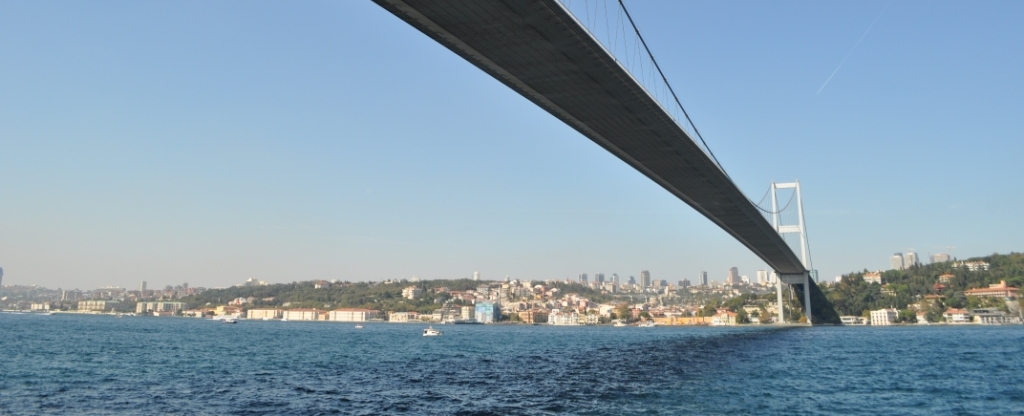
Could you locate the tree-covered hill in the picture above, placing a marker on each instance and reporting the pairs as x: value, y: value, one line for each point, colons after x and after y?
x: 900, y: 288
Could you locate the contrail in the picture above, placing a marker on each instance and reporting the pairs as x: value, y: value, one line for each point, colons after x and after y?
x: 854, y: 47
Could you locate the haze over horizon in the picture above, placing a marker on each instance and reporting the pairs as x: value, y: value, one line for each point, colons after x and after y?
x: 213, y: 142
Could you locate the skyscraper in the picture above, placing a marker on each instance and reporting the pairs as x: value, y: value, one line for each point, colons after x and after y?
x: 896, y: 261
x: 734, y: 276
x: 702, y: 279
x: 599, y: 278
x: 142, y: 287
x: 583, y: 278
x: 476, y: 275
x: 909, y: 259
x: 645, y: 278
x: 615, y: 278
x: 762, y: 277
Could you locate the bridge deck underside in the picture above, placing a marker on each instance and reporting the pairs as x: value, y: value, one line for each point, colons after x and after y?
x: 539, y: 50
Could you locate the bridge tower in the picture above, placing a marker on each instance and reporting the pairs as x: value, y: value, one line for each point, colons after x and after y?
x: 805, y: 256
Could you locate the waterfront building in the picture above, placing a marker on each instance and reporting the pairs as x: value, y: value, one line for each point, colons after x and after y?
x: 533, y: 317
x: 44, y: 306
x: 403, y: 317
x: 992, y: 316
x: 557, y: 317
x: 264, y: 314
x: 97, y: 305
x: 467, y: 313
x: 302, y: 315
x: 957, y: 316
x: 172, y: 307
x: 852, y: 320
x: 412, y: 292
x: 873, y: 277
x: 1000, y: 290
x: 351, y: 315
x: 724, y: 318
x: 645, y: 279
x: 896, y: 261
x: 883, y: 317
x: 487, y: 312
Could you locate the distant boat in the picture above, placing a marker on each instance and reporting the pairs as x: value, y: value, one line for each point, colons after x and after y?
x: 359, y: 326
x: 648, y: 324
x: 431, y: 332
x: 619, y: 323
x: 230, y: 321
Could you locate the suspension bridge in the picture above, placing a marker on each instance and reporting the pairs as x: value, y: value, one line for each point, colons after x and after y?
x: 614, y: 93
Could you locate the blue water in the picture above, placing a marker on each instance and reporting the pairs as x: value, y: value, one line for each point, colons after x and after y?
x: 77, y: 364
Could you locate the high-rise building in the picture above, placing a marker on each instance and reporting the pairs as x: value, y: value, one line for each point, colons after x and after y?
x: 632, y: 280
x: 476, y: 275
x: 583, y: 278
x: 142, y: 287
x: 896, y: 261
x: 645, y: 278
x: 909, y: 259
x: 734, y: 276
x: 762, y: 277
x: 940, y: 258
x: 615, y: 278
x: 685, y: 283
x: 702, y: 279
x: 599, y: 278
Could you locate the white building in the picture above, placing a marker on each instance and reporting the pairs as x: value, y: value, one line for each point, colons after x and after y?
x: 403, y: 317
x: 896, y: 261
x: 957, y: 316
x: 884, y: 317
x: 909, y: 259
x: 873, y: 277
x: 351, y: 315
x: 264, y: 314
x: 412, y: 292
x: 172, y: 307
x: 302, y: 315
x: 762, y: 277
x: 557, y: 317
x: 852, y: 320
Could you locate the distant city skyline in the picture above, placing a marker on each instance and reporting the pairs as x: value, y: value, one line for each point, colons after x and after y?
x: 217, y: 142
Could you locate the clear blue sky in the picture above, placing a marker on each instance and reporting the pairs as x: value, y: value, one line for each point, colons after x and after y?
x: 211, y: 142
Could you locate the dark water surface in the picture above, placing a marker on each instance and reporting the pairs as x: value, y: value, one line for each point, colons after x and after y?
x: 76, y: 364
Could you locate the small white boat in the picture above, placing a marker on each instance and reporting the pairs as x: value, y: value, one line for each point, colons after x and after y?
x: 431, y: 332
x: 359, y: 326
x: 648, y: 324
x: 230, y: 321
x: 619, y: 323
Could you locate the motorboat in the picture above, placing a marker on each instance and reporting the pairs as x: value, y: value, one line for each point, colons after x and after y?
x: 359, y: 326
x: 431, y: 332
x: 230, y: 321
x: 648, y: 324
x: 619, y: 323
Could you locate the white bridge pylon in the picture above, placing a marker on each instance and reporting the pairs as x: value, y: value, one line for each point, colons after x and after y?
x: 798, y: 228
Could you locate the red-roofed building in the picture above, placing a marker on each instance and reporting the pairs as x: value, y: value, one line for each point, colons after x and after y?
x: 1000, y: 290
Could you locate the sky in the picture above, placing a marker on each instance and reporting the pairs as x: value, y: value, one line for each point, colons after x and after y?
x: 212, y: 142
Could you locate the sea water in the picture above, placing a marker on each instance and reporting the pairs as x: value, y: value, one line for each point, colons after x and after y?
x: 81, y: 364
